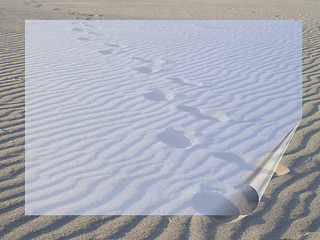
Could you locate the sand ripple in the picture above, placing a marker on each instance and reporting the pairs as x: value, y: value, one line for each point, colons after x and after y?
x: 288, y: 210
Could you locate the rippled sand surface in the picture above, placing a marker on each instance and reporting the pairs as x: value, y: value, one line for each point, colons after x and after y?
x: 289, y: 207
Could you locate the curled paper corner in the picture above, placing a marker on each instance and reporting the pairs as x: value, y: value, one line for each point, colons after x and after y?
x: 244, y: 198
x: 260, y: 175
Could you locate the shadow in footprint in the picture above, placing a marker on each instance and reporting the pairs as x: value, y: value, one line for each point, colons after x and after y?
x: 83, y: 39
x: 155, y: 61
x: 77, y: 29
x: 105, y: 52
x: 175, y: 139
x: 192, y: 110
x: 179, y: 81
x: 94, y: 33
x: 183, y: 81
x: 155, y: 95
x: 113, y: 45
x: 231, y: 157
x: 144, y: 69
x: 142, y: 60
x: 196, y: 112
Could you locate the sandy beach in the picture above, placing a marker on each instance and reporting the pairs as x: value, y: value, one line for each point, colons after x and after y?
x: 289, y: 206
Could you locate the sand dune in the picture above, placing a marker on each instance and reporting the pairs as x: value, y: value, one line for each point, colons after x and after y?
x: 289, y: 208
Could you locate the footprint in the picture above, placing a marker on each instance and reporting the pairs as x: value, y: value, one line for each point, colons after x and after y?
x: 231, y: 158
x: 77, y: 29
x: 113, y: 45
x: 94, y: 33
x: 83, y: 39
x: 222, y: 117
x: 144, y: 69
x: 192, y: 110
x: 116, y: 45
x: 154, y: 65
x: 175, y: 138
x: 205, y: 114
x: 158, y: 61
x: 157, y: 96
x: 142, y: 60
x: 184, y: 81
x: 154, y: 61
x: 105, y: 52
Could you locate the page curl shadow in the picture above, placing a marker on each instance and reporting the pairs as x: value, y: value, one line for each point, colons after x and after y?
x: 240, y: 200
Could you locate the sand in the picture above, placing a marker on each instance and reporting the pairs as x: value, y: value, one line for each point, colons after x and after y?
x: 145, y: 117
x: 289, y: 207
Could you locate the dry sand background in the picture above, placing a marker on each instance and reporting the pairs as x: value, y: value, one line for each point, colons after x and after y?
x: 290, y: 206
